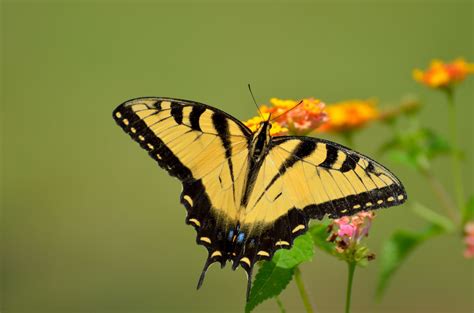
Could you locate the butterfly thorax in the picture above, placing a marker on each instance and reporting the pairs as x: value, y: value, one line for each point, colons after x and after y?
x: 258, y: 148
x: 260, y: 141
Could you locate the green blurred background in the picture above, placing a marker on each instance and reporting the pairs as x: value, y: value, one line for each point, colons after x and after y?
x: 91, y: 224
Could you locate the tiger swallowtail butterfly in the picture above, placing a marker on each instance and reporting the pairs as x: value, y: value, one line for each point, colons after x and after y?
x: 247, y: 193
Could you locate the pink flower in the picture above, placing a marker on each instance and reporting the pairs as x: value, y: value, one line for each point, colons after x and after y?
x: 349, y: 231
x: 346, y: 230
x: 469, y: 240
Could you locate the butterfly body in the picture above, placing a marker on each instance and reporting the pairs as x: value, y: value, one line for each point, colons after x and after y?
x: 250, y: 194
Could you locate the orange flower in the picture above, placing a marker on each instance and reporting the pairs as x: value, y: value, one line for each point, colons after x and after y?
x: 276, y: 130
x: 349, y: 115
x: 299, y: 119
x: 441, y: 74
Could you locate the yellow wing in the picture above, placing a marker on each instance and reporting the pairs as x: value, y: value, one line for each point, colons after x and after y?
x: 204, y: 147
x: 304, y: 177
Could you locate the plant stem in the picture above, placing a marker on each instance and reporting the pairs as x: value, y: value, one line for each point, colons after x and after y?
x: 303, y: 292
x: 442, y: 195
x: 349, y: 139
x: 351, y: 267
x: 456, y: 165
x: 280, y: 304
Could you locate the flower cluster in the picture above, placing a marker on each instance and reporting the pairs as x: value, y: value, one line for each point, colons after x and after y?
x: 277, y: 129
x: 298, y: 118
x: 347, y: 233
x: 444, y: 75
x: 469, y: 240
x: 349, y: 115
x: 295, y: 118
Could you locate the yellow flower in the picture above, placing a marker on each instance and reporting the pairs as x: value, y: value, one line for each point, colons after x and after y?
x: 348, y: 115
x: 441, y: 74
x: 279, y: 106
x: 254, y: 124
x: 291, y: 116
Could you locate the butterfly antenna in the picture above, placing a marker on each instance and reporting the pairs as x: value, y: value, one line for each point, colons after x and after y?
x: 287, y: 111
x: 251, y: 93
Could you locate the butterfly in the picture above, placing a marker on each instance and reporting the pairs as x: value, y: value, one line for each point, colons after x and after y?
x: 247, y: 193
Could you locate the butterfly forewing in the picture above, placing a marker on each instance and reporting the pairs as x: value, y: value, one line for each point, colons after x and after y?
x: 323, y: 177
x: 204, y: 147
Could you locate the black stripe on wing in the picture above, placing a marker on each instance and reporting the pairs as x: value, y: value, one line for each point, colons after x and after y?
x: 177, y: 112
x: 195, y: 116
x: 221, y: 124
x: 304, y: 149
x: 141, y: 133
x: 350, y: 205
x: 132, y: 124
x: 388, y: 196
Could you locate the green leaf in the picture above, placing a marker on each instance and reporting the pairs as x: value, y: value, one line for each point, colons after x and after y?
x: 396, y: 250
x: 301, y: 251
x: 320, y: 234
x: 468, y: 212
x: 416, y: 147
x: 404, y: 158
x: 433, y: 217
x: 389, y: 145
x: 434, y: 143
x: 269, y: 282
x: 273, y: 276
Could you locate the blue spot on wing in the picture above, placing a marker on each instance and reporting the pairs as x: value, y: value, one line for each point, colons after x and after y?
x: 240, y: 238
x: 231, y: 234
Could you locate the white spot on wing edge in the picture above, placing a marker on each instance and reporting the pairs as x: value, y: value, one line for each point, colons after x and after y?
x: 216, y: 253
x: 245, y: 260
x: 205, y: 239
x: 195, y: 222
x: 298, y: 228
x: 188, y: 200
